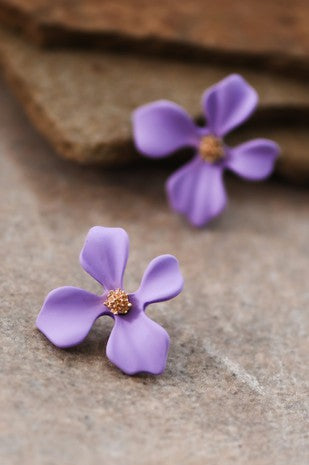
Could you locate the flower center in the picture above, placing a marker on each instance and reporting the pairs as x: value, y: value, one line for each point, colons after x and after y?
x: 118, y: 302
x: 211, y: 149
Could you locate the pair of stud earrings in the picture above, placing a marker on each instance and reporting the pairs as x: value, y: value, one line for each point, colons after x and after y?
x: 136, y: 343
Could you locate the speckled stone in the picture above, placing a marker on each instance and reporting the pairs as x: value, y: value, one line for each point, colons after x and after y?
x: 82, y: 101
x: 272, y: 34
x: 235, y: 388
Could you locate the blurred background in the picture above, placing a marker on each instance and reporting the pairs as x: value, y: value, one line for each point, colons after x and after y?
x: 236, y: 386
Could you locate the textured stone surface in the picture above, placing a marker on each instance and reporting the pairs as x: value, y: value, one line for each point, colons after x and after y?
x: 83, y: 102
x: 271, y: 33
x: 235, y: 388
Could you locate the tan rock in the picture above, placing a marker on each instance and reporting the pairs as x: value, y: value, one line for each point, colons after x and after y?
x: 272, y: 33
x: 235, y: 390
x: 82, y: 101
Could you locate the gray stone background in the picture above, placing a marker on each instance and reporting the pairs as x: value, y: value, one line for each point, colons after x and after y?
x: 236, y: 385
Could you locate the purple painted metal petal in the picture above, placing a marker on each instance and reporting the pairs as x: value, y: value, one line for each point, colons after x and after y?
x: 162, y: 281
x: 228, y: 104
x: 138, y: 344
x: 197, y: 191
x: 68, y: 314
x: 253, y: 160
x: 161, y: 127
x: 105, y: 255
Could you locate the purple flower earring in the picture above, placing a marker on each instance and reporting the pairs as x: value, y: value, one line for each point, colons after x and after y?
x: 196, y: 190
x: 136, y: 343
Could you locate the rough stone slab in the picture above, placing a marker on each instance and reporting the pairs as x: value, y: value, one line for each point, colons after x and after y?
x: 82, y: 101
x: 235, y: 390
x: 270, y: 33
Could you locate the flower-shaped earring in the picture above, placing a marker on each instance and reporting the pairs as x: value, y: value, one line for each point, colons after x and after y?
x: 136, y: 343
x: 196, y: 190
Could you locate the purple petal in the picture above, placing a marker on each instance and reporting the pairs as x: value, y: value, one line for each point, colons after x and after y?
x: 162, y: 280
x: 228, y: 104
x: 197, y: 191
x: 138, y: 344
x: 68, y: 314
x: 162, y: 127
x: 105, y: 254
x: 254, y: 160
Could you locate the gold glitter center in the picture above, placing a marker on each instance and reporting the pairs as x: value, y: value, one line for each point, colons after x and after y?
x: 118, y: 302
x: 211, y: 149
